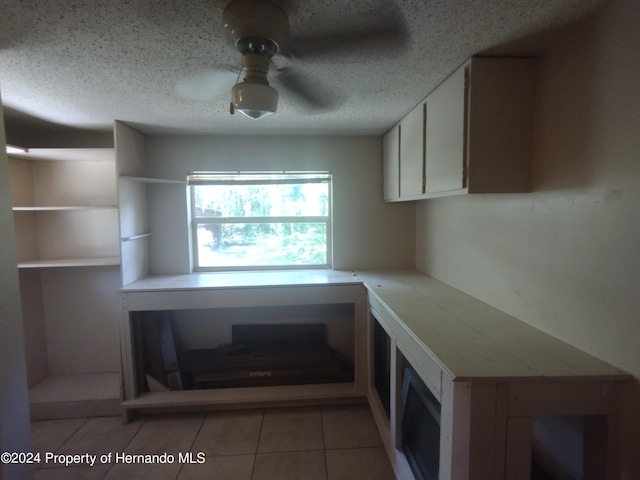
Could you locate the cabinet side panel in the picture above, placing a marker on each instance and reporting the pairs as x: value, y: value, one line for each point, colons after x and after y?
x: 412, y: 152
x: 391, y: 163
x: 501, y: 125
x: 135, y: 260
x: 132, y: 200
x: 21, y: 182
x: 133, y: 222
x: 26, y: 231
x: 168, y: 222
x: 133, y: 207
x: 130, y: 145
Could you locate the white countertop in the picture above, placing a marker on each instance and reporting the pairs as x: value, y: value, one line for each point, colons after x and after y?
x: 469, y: 339
x: 248, y: 279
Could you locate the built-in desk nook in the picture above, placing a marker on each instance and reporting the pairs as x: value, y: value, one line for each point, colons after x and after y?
x: 488, y: 377
x: 455, y: 386
x: 192, y: 319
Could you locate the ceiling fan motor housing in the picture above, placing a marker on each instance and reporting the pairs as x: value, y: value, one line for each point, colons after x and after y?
x: 256, y: 19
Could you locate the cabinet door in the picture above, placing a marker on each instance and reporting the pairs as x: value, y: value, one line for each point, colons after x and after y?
x: 412, y: 152
x: 391, y: 163
x: 446, y: 135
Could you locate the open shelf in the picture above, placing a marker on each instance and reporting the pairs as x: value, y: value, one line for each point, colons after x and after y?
x: 153, y: 180
x: 60, y: 208
x: 65, y: 207
x: 78, y: 395
x: 247, y: 396
x: 71, y: 262
x: 135, y: 237
x: 66, y: 154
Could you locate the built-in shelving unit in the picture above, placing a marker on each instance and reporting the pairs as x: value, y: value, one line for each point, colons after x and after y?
x: 65, y: 207
x: 66, y: 218
x: 134, y: 188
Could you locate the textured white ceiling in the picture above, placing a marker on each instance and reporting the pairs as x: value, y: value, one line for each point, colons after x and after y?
x: 87, y: 63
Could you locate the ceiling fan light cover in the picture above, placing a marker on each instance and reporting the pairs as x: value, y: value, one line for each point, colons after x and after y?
x: 255, y: 100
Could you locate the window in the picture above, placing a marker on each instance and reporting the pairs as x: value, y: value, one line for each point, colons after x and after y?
x: 260, y: 220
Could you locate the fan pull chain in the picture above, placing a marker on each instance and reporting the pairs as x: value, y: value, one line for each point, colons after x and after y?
x: 232, y: 110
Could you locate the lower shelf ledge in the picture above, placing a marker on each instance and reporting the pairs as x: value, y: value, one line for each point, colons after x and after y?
x: 71, y: 262
x: 74, y: 396
x: 247, y: 396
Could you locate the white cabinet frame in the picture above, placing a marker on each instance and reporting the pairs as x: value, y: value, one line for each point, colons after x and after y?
x: 240, y: 290
x: 492, y: 374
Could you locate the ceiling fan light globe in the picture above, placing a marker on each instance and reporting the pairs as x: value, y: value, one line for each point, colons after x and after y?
x: 255, y: 100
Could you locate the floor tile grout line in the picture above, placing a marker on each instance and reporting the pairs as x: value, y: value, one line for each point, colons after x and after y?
x: 324, y: 443
x: 193, y: 442
x: 144, y: 420
x: 280, y: 452
x: 64, y: 442
x: 86, y: 420
x: 255, y: 453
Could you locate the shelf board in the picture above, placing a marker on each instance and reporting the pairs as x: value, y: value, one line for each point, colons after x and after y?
x: 154, y: 180
x: 60, y: 208
x: 71, y: 262
x: 135, y: 237
x: 67, y: 154
x: 79, y: 395
x: 230, y: 397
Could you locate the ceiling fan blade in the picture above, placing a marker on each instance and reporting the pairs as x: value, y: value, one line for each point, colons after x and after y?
x: 207, y: 85
x: 375, y: 40
x: 379, y: 31
x: 311, y: 96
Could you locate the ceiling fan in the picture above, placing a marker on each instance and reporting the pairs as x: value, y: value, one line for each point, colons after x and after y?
x: 260, y: 30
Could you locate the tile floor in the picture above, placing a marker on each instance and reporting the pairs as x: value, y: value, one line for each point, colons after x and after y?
x: 304, y: 443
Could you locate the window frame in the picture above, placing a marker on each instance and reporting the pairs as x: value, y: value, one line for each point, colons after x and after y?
x: 201, y: 178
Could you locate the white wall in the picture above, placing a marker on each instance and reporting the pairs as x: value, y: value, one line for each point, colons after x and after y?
x: 565, y: 258
x: 82, y: 310
x: 367, y: 231
x: 14, y: 404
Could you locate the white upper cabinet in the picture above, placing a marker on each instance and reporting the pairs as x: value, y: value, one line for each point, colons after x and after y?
x: 476, y: 135
x: 403, y: 157
x: 445, y: 135
x: 500, y: 124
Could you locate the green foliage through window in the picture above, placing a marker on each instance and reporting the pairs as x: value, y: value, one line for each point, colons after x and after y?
x: 265, y: 220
